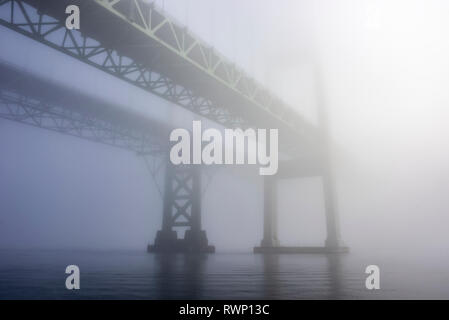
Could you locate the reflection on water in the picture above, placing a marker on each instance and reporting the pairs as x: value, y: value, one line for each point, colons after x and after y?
x: 333, y: 261
x: 194, y: 277
x: 175, y: 271
x: 138, y: 275
x: 270, y: 276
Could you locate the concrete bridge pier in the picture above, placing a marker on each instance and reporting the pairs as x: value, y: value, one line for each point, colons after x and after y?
x: 270, y: 237
x: 270, y: 242
x: 181, y: 208
x: 333, y: 240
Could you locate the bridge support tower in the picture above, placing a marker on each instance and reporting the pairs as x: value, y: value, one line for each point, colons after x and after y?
x: 270, y: 238
x: 181, y: 209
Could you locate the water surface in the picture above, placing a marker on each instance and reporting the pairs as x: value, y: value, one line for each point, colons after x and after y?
x: 40, y: 274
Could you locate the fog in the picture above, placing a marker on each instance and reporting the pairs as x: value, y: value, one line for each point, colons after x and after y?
x: 382, y: 70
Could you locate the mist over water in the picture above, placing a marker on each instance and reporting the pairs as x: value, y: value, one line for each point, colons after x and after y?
x: 380, y: 68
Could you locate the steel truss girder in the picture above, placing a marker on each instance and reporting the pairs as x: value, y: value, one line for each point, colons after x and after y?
x: 27, y: 20
x: 157, y: 25
x: 28, y: 110
x: 25, y: 17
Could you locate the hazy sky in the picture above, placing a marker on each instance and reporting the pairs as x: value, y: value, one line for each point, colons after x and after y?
x: 385, y: 75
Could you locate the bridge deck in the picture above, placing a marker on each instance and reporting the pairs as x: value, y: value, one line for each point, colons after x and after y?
x: 138, y: 43
x: 30, y: 99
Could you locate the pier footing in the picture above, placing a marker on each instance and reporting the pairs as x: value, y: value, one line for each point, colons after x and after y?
x: 295, y: 250
x: 193, y: 242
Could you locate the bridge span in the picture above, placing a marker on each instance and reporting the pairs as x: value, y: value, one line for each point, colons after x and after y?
x: 137, y: 43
